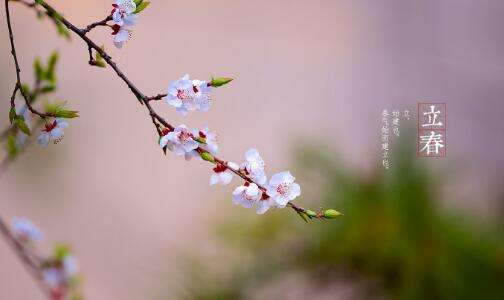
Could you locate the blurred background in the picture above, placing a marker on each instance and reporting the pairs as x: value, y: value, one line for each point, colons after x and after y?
x: 311, y: 81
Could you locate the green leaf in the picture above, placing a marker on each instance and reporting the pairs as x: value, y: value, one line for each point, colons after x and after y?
x: 220, y: 81
x: 143, y: 5
x: 58, y: 111
x: 25, y: 89
x: 20, y: 123
x: 62, y: 30
x: 11, y: 146
x: 12, y: 114
x: 137, y: 2
x: 38, y: 69
x: 51, y: 67
x: 303, y: 216
x: 67, y: 114
x: 47, y: 89
x: 99, y: 61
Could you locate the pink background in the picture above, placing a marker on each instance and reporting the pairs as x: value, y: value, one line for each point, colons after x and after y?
x: 304, y: 70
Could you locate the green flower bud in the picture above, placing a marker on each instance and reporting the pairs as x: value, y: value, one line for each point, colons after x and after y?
x: 311, y: 213
x: 220, y: 81
x: 200, y: 140
x: 331, y: 214
x: 208, y: 157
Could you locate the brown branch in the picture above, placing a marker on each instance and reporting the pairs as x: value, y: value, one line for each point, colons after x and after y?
x: 18, y: 69
x: 144, y: 100
x: 96, y: 24
x: 30, y: 260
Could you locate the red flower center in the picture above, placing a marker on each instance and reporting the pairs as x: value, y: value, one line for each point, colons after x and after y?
x: 50, y: 126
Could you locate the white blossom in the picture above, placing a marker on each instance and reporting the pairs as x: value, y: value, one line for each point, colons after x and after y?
x: 186, y: 95
x: 202, y: 91
x: 263, y: 205
x: 62, y: 274
x: 121, y: 35
x: 123, y: 12
x: 52, y: 132
x: 181, y: 95
x: 246, y: 195
x: 283, y: 189
x: 221, y: 175
x: 23, y: 229
x: 254, y: 166
x: 210, y: 137
x: 181, y: 141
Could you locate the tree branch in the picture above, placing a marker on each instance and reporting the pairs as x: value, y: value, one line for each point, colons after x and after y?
x: 144, y: 100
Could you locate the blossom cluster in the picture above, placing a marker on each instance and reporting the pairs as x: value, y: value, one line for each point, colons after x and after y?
x: 256, y: 190
x: 59, y: 270
x: 186, y: 95
x: 124, y: 14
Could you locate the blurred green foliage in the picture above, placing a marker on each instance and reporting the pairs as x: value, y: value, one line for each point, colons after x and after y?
x: 393, y: 234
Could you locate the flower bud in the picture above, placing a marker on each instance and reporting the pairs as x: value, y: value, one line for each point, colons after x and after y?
x: 311, y: 213
x: 208, y: 157
x: 331, y: 214
x: 200, y: 140
x: 220, y: 81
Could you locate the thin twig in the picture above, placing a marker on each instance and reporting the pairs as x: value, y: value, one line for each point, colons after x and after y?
x: 29, y: 259
x: 96, y: 24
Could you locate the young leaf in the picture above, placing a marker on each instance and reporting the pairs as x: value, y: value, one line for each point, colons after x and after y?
x: 58, y: 111
x: 303, y: 216
x: 51, y: 66
x: 67, y: 114
x: 12, y: 114
x: 47, y: 89
x: 137, y: 2
x: 38, y: 69
x: 99, y: 61
x: 11, y: 146
x: 20, y: 123
x: 143, y: 5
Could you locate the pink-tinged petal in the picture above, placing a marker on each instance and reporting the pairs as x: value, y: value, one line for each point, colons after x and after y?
x: 130, y: 20
x: 295, y: 191
x: 252, y: 154
x: 163, y: 142
x: 61, y: 123
x: 43, y: 139
x: 281, y: 201
x: 174, y: 101
x: 233, y: 165
x: 56, y: 133
x: 117, y: 17
x: 225, y: 177
x: 282, y: 177
x: 214, y: 179
x: 262, y: 206
x: 182, y: 111
x: 252, y: 191
x: 260, y: 177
